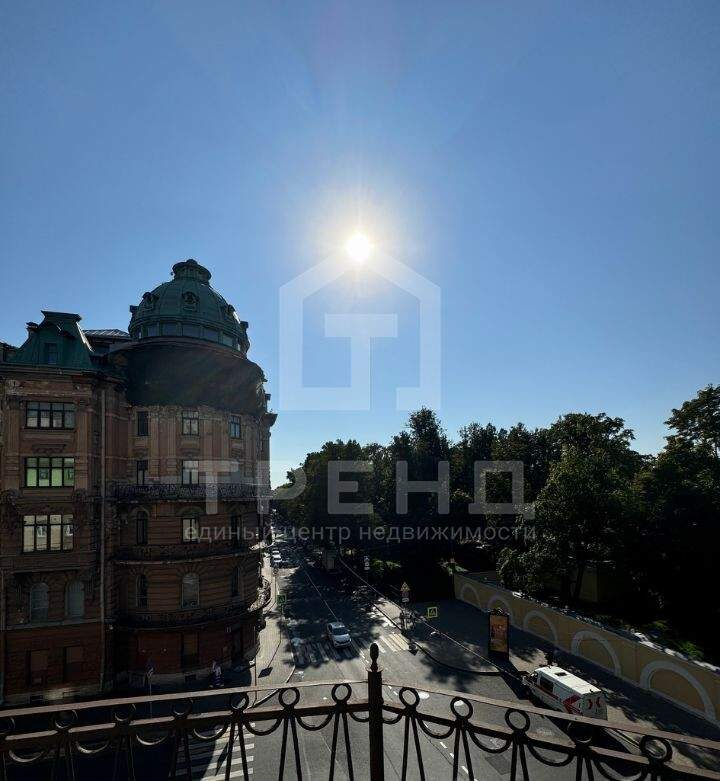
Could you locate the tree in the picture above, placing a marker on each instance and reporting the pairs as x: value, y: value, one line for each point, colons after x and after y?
x: 578, y: 521
x: 697, y: 422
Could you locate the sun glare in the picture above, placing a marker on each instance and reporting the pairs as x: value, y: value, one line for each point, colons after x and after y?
x: 358, y: 247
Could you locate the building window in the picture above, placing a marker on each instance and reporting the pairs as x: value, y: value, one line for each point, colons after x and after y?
x: 42, y: 472
x: 190, y: 423
x: 190, y: 646
x: 152, y: 330
x: 170, y: 329
x: 141, y: 472
x: 142, y: 423
x: 47, y: 533
x: 75, y: 599
x: 51, y: 354
x: 49, y: 414
x: 190, y: 472
x: 37, y: 667
x: 228, y: 340
x: 236, y: 583
x: 141, y: 528
x: 211, y: 334
x: 190, y: 593
x: 141, y: 592
x: 190, y: 530
x: 190, y: 330
x: 39, y: 601
x: 235, y: 428
x: 73, y: 657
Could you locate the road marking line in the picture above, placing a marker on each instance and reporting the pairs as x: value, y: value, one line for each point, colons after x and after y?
x: 221, y: 776
x: 212, y: 750
x: 390, y: 646
x: 397, y: 642
x: 206, y: 761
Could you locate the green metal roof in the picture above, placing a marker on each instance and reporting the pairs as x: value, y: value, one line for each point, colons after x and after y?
x: 188, y: 306
x: 57, y: 341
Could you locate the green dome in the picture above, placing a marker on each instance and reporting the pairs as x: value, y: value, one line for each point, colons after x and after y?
x: 187, y: 306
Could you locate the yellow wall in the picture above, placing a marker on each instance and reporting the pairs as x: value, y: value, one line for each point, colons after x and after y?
x: 693, y: 686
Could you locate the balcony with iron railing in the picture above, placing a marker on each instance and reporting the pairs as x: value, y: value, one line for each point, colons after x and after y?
x: 154, y: 619
x: 183, y: 551
x: 185, y: 491
x: 370, y: 729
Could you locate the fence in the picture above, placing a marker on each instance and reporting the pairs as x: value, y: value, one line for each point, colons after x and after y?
x: 359, y: 727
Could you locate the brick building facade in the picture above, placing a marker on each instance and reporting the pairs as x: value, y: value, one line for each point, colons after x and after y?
x: 133, y: 477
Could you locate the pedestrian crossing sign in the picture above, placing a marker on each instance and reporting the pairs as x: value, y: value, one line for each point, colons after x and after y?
x: 432, y: 612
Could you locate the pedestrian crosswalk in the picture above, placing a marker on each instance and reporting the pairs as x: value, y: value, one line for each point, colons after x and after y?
x: 317, y: 651
x: 208, y: 760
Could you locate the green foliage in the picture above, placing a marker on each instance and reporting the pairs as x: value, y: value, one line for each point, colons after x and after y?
x: 655, y: 520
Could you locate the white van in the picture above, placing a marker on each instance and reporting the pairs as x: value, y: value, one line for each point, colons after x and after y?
x: 558, y: 689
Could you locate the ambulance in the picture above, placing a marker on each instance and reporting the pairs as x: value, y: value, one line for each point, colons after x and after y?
x: 558, y: 689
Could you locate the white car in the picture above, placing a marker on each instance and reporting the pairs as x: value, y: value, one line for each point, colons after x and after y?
x: 338, y: 634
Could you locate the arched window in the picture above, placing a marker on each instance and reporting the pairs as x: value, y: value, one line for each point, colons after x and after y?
x: 39, y: 602
x: 141, y: 528
x: 141, y: 592
x: 75, y: 599
x: 236, y: 588
x: 190, y: 590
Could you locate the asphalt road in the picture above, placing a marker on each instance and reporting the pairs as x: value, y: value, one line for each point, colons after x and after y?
x: 314, y: 598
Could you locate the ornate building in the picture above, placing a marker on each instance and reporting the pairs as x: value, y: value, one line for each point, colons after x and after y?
x: 133, y: 471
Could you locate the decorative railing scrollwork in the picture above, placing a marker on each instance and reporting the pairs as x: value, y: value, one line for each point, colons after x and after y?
x: 184, y: 726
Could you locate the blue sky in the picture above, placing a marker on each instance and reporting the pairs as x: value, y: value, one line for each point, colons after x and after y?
x: 552, y: 167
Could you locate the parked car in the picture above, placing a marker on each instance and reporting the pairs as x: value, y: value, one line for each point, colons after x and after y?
x: 561, y: 690
x: 338, y: 634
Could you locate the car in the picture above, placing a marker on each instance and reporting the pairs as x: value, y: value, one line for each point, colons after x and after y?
x: 338, y: 634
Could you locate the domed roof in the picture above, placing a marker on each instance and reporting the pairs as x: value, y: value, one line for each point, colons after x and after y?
x: 188, y: 306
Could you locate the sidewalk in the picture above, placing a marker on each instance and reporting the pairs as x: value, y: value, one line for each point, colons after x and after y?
x: 274, y: 663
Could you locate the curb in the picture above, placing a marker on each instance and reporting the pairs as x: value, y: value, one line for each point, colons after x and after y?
x: 455, y: 667
x: 273, y: 692
x: 440, y: 661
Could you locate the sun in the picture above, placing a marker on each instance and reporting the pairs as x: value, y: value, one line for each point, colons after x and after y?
x: 358, y: 247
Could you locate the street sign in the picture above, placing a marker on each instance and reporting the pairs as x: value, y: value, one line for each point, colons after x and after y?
x: 432, y: 612
x: 405, y: 592
x: 281, y: 599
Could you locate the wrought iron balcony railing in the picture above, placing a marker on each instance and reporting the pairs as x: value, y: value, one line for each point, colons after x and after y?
x: 169, y: 491
x: 214, y: 546
x: 361, y: 733
x: 190, y: 616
